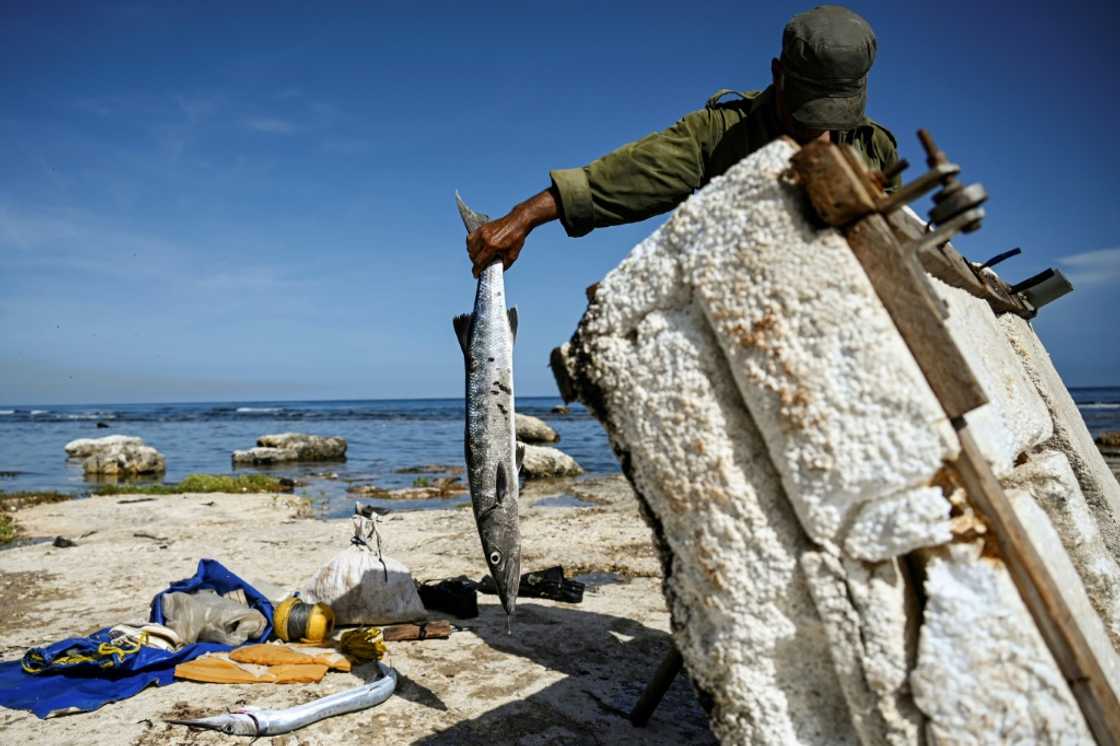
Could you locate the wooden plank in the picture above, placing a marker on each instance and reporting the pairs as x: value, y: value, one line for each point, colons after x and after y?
x: 436, y: 629
x: 917, y: 312
x: 1055, y: 620
x: 947, y: 265
x: 834, y: 188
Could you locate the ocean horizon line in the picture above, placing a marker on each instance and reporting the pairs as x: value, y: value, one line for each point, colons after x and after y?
x: 37, y: 405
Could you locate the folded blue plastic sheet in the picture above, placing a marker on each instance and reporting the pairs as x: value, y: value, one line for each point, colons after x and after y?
x: 81, y: 674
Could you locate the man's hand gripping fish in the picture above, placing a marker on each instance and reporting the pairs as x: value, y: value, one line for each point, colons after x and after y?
x: 493, y: 455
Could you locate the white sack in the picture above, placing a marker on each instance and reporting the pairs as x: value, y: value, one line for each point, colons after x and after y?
x: 363, y: 587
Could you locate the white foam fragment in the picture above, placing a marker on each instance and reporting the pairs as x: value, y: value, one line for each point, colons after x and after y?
x: 984, y: 674
x: 898, y: 524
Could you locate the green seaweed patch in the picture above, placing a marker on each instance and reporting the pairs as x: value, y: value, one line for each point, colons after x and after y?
x: 449, y: 469
x: 203, y: 483
x: 27, y: 498
x: 423, y: 488
x: 8, y: 528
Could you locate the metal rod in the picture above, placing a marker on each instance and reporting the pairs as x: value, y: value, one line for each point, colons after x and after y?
x: 909, y: 192
x: 1000, y: 257
x: 945, y: 231
x: 655, y: 691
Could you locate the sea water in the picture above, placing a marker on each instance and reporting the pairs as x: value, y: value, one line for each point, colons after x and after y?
x: 384, y: 436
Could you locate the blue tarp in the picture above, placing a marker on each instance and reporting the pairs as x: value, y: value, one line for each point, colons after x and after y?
x: 86, y: 685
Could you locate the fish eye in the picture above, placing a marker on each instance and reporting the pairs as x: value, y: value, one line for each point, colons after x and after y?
x: 495, y: 557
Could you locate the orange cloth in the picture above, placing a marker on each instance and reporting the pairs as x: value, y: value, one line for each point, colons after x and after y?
x: 274, y: 655
x: 217, y: 668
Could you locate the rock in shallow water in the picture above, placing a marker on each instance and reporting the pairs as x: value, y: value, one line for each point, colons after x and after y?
x: 1109, y: 440
x: 116, y: 456
x: 534, y: 430
x: 283, y: 447
x: 83, y: 447
x: 542, y: 462
x: 124, y: 460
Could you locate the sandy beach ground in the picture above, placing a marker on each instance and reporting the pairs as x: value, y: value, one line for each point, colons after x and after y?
x: 567, y: 674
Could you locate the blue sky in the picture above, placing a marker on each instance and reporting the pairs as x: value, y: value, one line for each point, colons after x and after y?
x: 206, y: 201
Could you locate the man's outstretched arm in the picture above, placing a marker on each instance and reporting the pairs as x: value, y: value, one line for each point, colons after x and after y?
x: 637, y: 181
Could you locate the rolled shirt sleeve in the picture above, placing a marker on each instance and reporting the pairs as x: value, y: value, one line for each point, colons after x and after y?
x: 573, y: 187
x: 641, y: 179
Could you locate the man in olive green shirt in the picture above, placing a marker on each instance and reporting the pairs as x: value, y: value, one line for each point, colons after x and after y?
x: 819, y: 92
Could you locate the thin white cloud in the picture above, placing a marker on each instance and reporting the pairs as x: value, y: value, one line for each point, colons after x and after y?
x: 1092, y: 267
x: 270, y: 125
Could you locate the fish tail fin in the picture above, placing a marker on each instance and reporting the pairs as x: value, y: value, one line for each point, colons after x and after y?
x: 462, y: 324
x: 512, y: 313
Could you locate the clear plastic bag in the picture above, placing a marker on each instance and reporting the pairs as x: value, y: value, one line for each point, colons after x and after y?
x: 363, y: 587
x: 204, y: 616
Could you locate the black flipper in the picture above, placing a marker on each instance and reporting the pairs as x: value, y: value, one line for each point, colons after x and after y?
x: 500, y: 487
x: 512, y: 313
x: 462, y: 324
x: 520, y: 456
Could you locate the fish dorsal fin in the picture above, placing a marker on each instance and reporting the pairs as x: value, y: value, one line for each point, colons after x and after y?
x: 520, y: 456
x: 500, y: 486
x: 512, y: 313
x: 462, y: 324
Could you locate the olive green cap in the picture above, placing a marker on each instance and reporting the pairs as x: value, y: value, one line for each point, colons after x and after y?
x: 826, y: 55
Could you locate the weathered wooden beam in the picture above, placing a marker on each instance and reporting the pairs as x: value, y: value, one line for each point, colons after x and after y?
x: 835, y: 188
x: 842, y: 191
x: 436, y: 629
x: 947, y: 265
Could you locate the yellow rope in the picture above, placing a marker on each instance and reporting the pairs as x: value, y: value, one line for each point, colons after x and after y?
x: 363, y: 643
x: 103, y: 658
